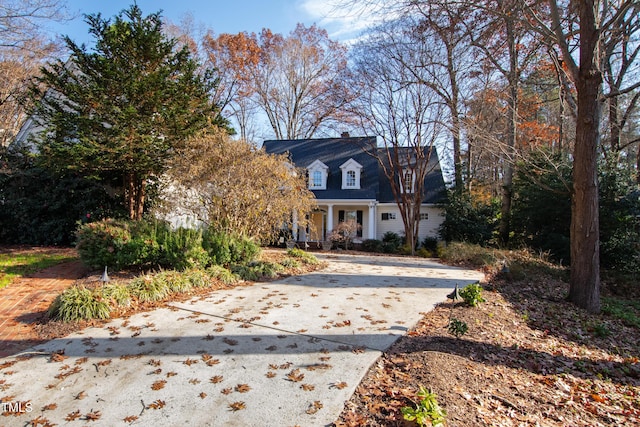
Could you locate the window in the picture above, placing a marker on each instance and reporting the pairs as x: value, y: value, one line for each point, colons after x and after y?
x: 351, y: 171
x: 351, y: 178
x: 316, y: 179
x: 424, y: 216
x: 388, y: 216
x: 317, y: 175
x: 407, y: 181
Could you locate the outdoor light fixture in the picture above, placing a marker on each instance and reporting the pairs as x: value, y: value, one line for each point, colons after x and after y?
x: 105, y: 277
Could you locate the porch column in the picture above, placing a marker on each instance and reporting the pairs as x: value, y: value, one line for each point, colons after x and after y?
x: 372, y: 220
x: 329, y: 219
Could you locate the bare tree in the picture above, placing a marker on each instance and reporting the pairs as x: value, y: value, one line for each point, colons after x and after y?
x: 300, y: 81
x: 402, y: 111
x: 23, y: 50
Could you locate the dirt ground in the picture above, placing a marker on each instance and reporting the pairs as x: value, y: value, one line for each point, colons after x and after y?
x: 528, y: 359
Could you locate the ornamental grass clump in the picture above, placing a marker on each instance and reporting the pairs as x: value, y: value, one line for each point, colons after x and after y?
x: 174, y: 281
x: 305, y: 257
x: 79, y: 303
x: 222, y: 274
x: 146, y: 289
x: 116, y: 294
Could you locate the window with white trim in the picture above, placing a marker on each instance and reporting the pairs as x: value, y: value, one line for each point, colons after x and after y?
x: 351, y: 172
x: 388, y: 216
x: 424, y: 216
x: 407, y: 181
x: 317, y: 175
x: 351, y: 179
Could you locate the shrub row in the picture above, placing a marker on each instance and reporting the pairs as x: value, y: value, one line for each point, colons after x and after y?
x: 121, y: 244
x: 393, y: 243
x: 80, y: 302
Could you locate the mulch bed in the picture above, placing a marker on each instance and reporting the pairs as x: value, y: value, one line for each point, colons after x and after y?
x: 528, y: 359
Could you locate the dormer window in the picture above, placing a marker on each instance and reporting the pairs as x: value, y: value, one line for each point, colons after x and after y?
x: 351, y: 171
x: 317, y: 175
x: 408, y: 181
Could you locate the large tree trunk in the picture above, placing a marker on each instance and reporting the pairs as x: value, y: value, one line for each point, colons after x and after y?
x: 507, y: 181
x: 585, y: 233
x: 135, y: 194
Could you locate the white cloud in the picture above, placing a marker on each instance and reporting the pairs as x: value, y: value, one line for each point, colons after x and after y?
x: 343, y: 21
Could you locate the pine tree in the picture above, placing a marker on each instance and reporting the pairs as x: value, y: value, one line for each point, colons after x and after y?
x: 121, y: 109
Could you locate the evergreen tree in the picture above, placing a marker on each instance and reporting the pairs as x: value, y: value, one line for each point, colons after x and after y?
x: 120, y: 109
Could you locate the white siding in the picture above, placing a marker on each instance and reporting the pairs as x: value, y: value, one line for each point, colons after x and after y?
x: 428, y: 227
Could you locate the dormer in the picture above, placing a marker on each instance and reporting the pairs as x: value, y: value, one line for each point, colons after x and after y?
x: 317, y: 175
x: 351, y: 171
x: 407, y: 181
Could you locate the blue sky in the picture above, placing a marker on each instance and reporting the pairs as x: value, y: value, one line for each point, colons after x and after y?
x: 226, y: 16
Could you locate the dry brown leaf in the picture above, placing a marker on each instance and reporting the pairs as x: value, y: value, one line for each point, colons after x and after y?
x: 158, y: 404
x: 81, y: 395
x: 237, y: 406
x: 158, y: 385
x: 190, y: 361
x: 295, y: 375
x: 314, y: 407
x: 339, y: 385
x: 270, y: 374
x: 93, y: 416
x: 154, y: 362
x: 130, y: 419
x: 215, y: 380
x: 49, y: 407
x: 226, y: 391
x: 243, y: 388
x: 202, y: 395
x: 171, y: 374
x: 307, y: 387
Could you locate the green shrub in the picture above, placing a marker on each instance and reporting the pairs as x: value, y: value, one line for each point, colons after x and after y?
x: 305, y: 257
x: 424, y: 253
x: 146, y: 289
x: 100, y: 243
x: 472, y: 294
x: 40, y: 207
x: 468, y: 218
x: 225, y: 249
x: 182, y: 249
x: 427, y: 412
x: 391, y: 242
x: 430, y: 244
x: 457, y: 327
x: 79, y: 303
x: 372, y: 245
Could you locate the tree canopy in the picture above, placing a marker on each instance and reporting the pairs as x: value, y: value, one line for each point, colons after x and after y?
x: 121, y: 109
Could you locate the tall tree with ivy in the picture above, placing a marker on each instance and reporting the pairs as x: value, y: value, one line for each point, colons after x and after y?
x: 120, y: 109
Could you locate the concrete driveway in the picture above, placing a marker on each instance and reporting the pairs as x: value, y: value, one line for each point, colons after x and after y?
x: 282, y: 353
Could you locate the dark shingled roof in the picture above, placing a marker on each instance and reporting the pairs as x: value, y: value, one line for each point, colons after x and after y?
x: 333, y: 152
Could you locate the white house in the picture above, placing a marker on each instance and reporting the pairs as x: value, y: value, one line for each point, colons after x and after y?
x: 349, y: 185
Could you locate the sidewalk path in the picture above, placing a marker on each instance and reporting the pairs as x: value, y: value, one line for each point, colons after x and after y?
x: 283, y: 353
x: 27, y: 299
